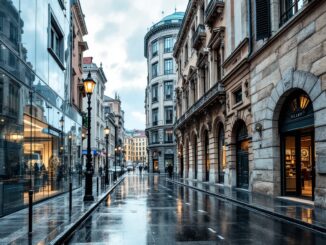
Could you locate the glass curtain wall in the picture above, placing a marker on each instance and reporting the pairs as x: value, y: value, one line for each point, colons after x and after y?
x: 40, y: 134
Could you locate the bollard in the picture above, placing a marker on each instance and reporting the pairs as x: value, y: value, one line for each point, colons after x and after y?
x: 30, y: 212
x: 97, y: 184
x: 70, y: 198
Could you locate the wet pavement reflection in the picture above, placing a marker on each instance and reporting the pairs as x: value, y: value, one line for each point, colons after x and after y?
x: 148, y: 209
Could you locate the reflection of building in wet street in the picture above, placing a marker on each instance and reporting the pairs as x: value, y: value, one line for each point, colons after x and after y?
x: 40, y: 129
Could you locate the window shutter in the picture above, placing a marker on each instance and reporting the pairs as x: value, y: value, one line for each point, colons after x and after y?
x: 263, y: 20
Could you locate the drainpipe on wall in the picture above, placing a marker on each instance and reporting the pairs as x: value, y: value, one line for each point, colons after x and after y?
x: 249, y: 27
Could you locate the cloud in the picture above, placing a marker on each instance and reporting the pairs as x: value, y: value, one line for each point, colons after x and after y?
x: 139, y: 117
x: 135, y: 45
x: 116, y: 31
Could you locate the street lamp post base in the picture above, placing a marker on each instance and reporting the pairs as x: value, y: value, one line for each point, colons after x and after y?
x: 88, y: 198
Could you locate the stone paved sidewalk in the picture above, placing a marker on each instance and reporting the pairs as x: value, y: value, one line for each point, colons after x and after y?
x: 51, y: 218
x: 293, y: 211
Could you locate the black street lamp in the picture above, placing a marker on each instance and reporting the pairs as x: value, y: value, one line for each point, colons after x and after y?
x: 70, y: 172
x: 107, y: 133
x: 89, y: 85
x: 63, y: 167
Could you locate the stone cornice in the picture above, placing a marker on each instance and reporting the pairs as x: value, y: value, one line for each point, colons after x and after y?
x: 185, y: 26
x: 157, y: 29
x: 80, y: 16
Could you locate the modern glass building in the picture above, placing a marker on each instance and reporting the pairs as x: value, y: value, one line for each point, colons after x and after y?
x: 40, y: 130
x: 160, y: 96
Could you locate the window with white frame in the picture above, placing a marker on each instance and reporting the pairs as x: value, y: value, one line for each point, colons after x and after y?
x: 168, y: 45
x: 168, y: 66
x: 56, y: 41
x: 154, y: 48
x: 168, y: 90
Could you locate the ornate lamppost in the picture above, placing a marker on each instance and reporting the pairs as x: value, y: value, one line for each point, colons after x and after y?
x: 62, y: 169
x: 107, y: 133
x: 89, y: 85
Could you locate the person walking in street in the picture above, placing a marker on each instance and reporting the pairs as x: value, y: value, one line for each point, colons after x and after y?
x: 140, y: 168
x: 170, y: 170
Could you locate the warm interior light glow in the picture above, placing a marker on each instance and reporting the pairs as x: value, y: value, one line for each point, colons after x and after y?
x: 304, y: 101
x: 89, y: 84
x: 107, y: 130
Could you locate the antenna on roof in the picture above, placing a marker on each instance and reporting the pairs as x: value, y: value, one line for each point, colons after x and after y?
x: 162, y: 12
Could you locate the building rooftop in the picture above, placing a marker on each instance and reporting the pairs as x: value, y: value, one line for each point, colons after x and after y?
x: 171, y: 21
x: 176, y: 17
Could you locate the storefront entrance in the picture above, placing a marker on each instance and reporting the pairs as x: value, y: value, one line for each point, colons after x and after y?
x: 298, y: 147
x: 156, y: 168
x: 299, y: 164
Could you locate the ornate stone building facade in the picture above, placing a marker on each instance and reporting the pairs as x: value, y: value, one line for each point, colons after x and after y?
x: 159, y: 101
x: 251, y: 96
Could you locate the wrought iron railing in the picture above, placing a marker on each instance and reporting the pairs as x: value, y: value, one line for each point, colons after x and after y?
x: 214, y: 92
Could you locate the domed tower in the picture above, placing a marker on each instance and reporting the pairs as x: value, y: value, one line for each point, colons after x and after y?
x: 159, y: 95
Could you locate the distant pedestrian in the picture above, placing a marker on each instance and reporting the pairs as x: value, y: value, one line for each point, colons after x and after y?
x: 170, y: 170
x: 140, y: 168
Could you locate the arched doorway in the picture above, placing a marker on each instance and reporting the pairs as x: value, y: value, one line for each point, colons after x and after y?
x: 181, y: 161
x: 187, y: 159
x: 221, y: 153
x: 194, y: 155
x: 296, y: 126
x: 242, y: 159
x: 206, y: 156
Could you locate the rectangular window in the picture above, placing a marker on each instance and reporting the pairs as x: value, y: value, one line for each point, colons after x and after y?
x: 154, y: 137
x: 155, y: 116
x: 56, y: 41
x: 289, y: 8
x: 168, y: 114
x: 1, y: 96
x: 186, y: 53
x: 168, y: 136
x: 168, y: 45
x: 168, y: 90
x: 237, y: 96
x: 13, y: 34
x: 154, y: 93
x: 155, y: 70
x: 2, y: 18
x: 13, y: 99
x: 263, y: 20
x: 154, y: 48
x: 12, y: 60
x: 168, y: 66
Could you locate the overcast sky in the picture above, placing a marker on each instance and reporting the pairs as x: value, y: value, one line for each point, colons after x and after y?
x: 116, y: 30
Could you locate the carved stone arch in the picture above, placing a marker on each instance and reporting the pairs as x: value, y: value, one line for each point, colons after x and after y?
x: 234, y: 128
x: 204, y: 127
x: 216, y: 122
x: 311, y: 85
x: 292, y: 80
